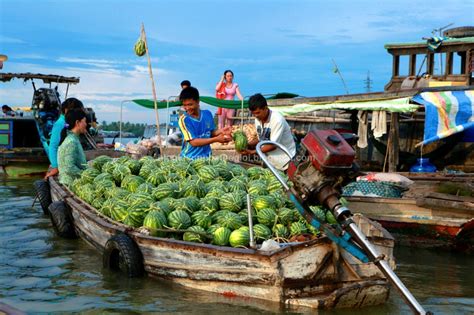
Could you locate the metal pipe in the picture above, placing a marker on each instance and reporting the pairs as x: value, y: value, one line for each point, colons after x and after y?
x: 385, y: 268
x: 249, y: 213
x: 263, y: 156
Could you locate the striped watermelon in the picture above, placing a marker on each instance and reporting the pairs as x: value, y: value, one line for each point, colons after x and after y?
x: 131, y: 182
x: 201, y: 218
x: 109, y: 167
x: 166, y: 190
x: 231, y: 201
x: 281, y: 231
x: 298, y: 228
x: 229, y: 220
x: 156, y: 178
x: 89, y: 174
x: 263, y: 202
x: 207, y: 173
x: 179, y: 219
x: 160, y: 206
x: 194, y: 188
x: 267, y: 216
x: 261, y: 232
x: 146, y: 188
x: 99, y: 162
x: 213, y: 228
x: 240, y: 237
x: 286, y: 216
x: 319, y: 213
x: 103, y: 177
x: 221, y: 236
x: 191, y: 236
x: 120, y: 172
x: 134, y: 166
x: 209, y: 204
x: 155, y: 220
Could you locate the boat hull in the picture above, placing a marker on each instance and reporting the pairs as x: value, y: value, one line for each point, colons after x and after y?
x: 310, y: 274
x: 435, y: 226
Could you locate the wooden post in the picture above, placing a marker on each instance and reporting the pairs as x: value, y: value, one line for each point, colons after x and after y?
x: 157, y: 117
x: 393, y: 146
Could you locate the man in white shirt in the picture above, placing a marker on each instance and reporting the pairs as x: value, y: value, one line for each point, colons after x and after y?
x: 271, y: 126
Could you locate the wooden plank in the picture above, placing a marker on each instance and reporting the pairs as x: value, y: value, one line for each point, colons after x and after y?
x: 436, y: 195
x: 445, y: 204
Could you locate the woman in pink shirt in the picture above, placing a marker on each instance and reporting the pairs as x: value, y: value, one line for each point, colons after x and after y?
x: 231, y: 89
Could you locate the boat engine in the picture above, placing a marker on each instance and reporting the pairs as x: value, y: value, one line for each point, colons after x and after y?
x: 324, y: 161
x: 46, y: 106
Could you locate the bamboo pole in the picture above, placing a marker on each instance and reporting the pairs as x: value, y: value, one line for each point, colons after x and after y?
x: 157, y: 117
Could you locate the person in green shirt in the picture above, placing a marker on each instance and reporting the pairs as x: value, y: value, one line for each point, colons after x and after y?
x: 71, y: 157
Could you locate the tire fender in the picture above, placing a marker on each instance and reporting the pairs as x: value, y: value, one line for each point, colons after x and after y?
x: 122, y: 253
x: 61, y: 219
x: 44, y: 194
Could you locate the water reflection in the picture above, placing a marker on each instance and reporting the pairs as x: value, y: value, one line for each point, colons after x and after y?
x: 41, y: 273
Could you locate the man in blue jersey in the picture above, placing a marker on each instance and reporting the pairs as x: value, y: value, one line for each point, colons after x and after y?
x: 197, y: 127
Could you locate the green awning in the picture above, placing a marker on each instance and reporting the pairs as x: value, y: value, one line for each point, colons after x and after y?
x: 209, y: 100
x: 401, y: 105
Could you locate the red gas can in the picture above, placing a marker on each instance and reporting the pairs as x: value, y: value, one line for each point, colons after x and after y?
x: 328, y: 151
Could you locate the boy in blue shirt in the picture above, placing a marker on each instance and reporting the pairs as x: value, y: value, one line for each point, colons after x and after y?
x: 197, y: 127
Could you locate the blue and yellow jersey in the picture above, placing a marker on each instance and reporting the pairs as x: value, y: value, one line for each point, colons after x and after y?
x: 196, y: 128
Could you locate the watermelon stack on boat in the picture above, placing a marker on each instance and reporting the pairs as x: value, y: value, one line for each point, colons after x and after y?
x: 203, y: 200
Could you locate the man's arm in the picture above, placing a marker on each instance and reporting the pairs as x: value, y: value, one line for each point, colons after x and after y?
x: 199, y: 142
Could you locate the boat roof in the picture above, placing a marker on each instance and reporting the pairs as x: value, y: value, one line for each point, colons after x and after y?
x: 47, y: 78
x: 424, y: 44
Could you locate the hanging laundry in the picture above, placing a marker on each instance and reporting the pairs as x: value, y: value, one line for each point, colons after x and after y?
x: 379, y: 123
x: 362, y: 130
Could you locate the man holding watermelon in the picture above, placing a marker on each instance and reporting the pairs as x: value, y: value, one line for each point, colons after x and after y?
x: 197, y: 127
x: 271, y: 126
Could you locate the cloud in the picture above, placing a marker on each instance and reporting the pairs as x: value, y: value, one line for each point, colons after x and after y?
x: 10, y: 40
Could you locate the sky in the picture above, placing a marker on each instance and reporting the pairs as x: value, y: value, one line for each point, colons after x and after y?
x: 270, y: 45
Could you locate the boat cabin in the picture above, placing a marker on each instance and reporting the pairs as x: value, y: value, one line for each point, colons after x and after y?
x: 435, y: 62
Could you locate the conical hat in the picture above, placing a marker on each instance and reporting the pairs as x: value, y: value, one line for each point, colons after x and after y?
x: 3, y: 58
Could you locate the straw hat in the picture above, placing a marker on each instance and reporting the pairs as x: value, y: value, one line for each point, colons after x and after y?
x: 3, y: 58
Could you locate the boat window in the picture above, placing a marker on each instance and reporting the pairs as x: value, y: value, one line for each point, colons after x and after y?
x: 404, y: 66
x: 439, y: 64
x: 420, y: 67
x: 458, y: 64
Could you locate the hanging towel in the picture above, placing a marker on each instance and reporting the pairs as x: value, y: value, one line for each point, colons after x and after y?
x: 362, y: 130
x: 379, y: 123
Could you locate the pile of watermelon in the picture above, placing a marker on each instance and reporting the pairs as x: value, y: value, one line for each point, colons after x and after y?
x: 202, y: 200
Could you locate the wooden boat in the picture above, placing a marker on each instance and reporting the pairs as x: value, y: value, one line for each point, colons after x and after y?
x: 24, y: 138
x: 308, y: 274
x: 424, y: 217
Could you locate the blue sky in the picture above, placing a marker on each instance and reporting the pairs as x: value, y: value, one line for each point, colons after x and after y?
x: 272, y: 46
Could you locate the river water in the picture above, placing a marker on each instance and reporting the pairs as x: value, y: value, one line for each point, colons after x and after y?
x: 41, y: 273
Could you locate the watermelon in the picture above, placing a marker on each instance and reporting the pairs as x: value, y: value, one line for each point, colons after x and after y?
x: 231, y: 202
x: 135, y: 215
x: 194, y: 237
x: 188, y: 204
x: 273, y: 184
x: 236, y: 184
x: 99, y: 162
x: 131, y: 182
x: 209, y: 204
x: 319, y: 213
x: 257, y: 187
x: 103, y: 186
x: 312, y: 229
x: 98, y: 202
x: 239, y: 238
x: 146, y: 188
x: 109, y: 167
x: 160, y: 206
x: 179, y: 219
x: 221, y: 236
x: 106, y: 207
x: 230, y: 220
x: 202, y: 218
x: 240, y: 140
x: 194, y: 188
x: 298, y: 228
x: 155, y: 220
x: 103, y: 177
x: 169, y: 203
x: 120, y: 172
x: 281, y: 231
x: 140, y: 48
x: 89, y: 174
x: 266, y: 216
x: 207, y: 173
x: 155, y: 178
x: 133, y: 165
x: 118, y: 210
x: 286, y: 216
x: 147, y: 169
x: 198, y: 163
x: 255, y: 172
x: 223, y: 171
x: 213, y: 228
x: 261, y: 232
x: 166, y: 190
x: 237, y: 170
x: 117, y: 192
x: 263, y: 202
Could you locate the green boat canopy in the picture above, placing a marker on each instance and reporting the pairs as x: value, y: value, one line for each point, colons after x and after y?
x: 209, y: 100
